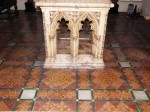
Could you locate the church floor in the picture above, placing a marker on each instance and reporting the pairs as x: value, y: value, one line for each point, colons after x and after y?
x: 123, y: 86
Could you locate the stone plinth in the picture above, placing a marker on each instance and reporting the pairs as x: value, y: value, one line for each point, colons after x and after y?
x: 74, y: 11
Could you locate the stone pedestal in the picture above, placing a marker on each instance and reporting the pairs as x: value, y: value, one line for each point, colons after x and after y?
x: 74, y: 11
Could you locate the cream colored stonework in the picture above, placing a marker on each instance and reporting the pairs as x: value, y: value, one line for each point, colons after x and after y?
x: 74, y: 11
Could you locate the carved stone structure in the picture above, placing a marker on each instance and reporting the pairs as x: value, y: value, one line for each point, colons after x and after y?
x: 74, y: 11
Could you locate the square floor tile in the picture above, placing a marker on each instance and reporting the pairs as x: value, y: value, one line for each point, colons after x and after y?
x: 1, y: 61
x: 28, y: 94
x: 84, y: 95
x: 125, y: 64
x: 140, y: 95
x: 38, y: 63
x: 11, y: 44
x: 115, y: 45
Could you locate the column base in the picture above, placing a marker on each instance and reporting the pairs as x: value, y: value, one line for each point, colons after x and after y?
x: 82, y: 62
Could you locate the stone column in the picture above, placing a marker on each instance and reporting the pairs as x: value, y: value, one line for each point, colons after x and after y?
x: 49, y: 35
x: 101, y: 34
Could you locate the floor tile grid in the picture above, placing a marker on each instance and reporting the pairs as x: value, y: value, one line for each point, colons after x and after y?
x: 90, y: 81
x: 28, y: 76
x: 37, y: 88
x: 126, y: 78
x: 136, y: 102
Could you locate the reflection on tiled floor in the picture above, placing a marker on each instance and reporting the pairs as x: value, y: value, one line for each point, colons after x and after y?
x: 123, y: 86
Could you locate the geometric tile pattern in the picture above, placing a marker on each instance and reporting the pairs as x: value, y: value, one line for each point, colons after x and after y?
x: 108, y: 78
x: 56, y: 95
x: 55, y: 106
x: 122, y: 86
x: 115, y: 107
x: 58, y: 79
x: 23, y: 105
x: 112, y: 95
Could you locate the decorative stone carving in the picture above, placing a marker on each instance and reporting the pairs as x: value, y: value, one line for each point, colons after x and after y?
x: 74, y: 11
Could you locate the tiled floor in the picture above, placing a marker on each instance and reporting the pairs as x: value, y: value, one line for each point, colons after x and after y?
x: 123, y: 86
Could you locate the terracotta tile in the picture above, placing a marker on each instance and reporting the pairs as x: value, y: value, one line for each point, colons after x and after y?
x: 85, y: 106
x: 9, y: 94
x: 148, y: 92
x: 108, y: 78
x: 145, y: 106
x: 120, y: 55
x: 41, y: 54
x: 144, y: 76
x: 55, y: 106
x: 115, y: 107
x: 58, y: 79
x: 108, y: 55
x: 13, y: 77
x: 17, y: 63
x: 4, y: 52
x: 29, y: 37
x: 24, y: 105
x: 112, y: 95
x: 137, y: 54
x: 56, y: 95
x: 132, y: 79
x: 111, y: 64
x: 23, y: 53
x: 4, y: 37
x: 7, y: 105
x: 83, y: 79
x: 140, y: 64
x: 34, y: 78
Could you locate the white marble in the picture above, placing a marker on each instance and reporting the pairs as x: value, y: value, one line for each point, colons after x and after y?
x: 38, y: 63
x: 28, y: 94
x: 74, y: 11
x: 140, y: 95
x: 84, y: 95
x: 125, y: 64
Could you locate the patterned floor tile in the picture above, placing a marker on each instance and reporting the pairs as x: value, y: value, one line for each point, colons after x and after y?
x: 112, y: 95
x: 7, y: 105
x: 132, y: 79
x: 38, y: 63
x: 119, y: 54
x: 115, y: 107
x: 23, y: 53
x: 9, y: 94
x: 125, y: 64
x: 108, y: 55
x: 108, y: 78
x: 29, y: 37
x: 17, y: 63
x: 137, y: 54
x: 4, y: 52
x: 140, y: 64
x: 58, y: 79
x: 34, y: 78
x: 55, y: 106
x: 140, y: 95
x: 28, y: 94
x: 56, y: 95
x: 41, y: 55
x: 85, y: 106
x: 83, y: 79
x: 144, y: 76
x: 84, y: 95
x: 13, y: 77
x: 145, y: 106
x: 24, y: 105
x: 111, y: 64
x: 148, y: 92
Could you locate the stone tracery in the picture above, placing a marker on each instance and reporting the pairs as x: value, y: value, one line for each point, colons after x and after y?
x: 51, y: 16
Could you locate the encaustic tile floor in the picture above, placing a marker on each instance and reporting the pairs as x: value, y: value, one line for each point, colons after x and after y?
x: 123, y: 86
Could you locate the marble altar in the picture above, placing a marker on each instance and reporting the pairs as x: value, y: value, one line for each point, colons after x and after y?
x: 74, y: 11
